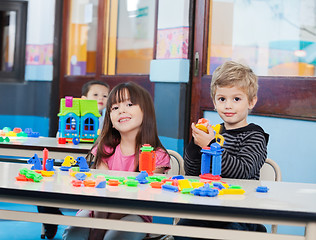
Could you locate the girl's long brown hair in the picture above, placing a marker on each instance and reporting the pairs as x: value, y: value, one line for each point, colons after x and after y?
x: 148, y: 130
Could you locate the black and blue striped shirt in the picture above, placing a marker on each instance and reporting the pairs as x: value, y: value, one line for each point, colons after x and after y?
x: 245, y: 151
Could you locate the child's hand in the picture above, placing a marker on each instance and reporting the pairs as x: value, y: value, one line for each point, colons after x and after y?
x: 202, y: 138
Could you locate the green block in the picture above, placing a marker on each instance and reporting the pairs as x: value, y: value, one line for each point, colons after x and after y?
x: 187, y: 190
x: 131, y: 183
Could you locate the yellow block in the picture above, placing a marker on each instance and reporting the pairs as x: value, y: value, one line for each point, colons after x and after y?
x: 11, y: 134
x: 232, y: 191
x: 201, y: 127
x: 88, y: 174
x: 47, y: 173
x: 184, y: 183
x: 217, y: 128
x: 225, y: 185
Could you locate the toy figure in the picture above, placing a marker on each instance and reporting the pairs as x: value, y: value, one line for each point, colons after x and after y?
x: 216, y: 152
x: 68, y: 162
x: 83, y: 166
x: 36, y: 161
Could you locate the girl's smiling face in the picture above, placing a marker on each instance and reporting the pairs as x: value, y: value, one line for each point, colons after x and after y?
x: 126, y: 117
x: 232, y: 106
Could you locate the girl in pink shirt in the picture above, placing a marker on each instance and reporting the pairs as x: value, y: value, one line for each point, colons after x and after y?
x: 129, y: 123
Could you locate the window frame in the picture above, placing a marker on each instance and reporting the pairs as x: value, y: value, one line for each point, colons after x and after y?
x: 77, y: 81
x: 71, y: 130
x: 88, y: 122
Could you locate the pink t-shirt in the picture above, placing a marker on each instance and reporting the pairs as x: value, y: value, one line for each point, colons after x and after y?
x: 119, y: 162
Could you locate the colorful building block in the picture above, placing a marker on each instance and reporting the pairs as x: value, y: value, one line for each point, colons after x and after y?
x: 147, y: 159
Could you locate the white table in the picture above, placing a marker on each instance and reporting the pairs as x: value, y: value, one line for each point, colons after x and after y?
x: 285, y: 203
x: 27, y: 147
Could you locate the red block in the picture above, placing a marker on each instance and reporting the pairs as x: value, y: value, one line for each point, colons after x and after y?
x: 62, y: 140
x: 147, y: 162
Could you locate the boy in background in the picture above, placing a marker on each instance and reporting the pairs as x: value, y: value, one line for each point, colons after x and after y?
x: 97, y: 90
x: 234, y: 90
x: 92, y: 90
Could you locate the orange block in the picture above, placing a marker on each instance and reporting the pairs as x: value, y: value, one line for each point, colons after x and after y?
x: 113, y: 182
x: 156, y: 184
x: 89, y: 183
x: 147, y: 162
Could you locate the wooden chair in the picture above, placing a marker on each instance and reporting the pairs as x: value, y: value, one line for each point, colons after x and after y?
x: 271, y: 171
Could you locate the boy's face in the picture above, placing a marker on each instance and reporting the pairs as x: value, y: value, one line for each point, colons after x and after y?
x: 99, y: 93
x: 232, y: 106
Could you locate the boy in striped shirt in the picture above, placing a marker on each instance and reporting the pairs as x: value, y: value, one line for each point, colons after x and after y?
x: 234, y: 90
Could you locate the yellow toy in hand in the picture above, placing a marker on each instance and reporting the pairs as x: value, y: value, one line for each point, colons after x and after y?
x: 203, y: 124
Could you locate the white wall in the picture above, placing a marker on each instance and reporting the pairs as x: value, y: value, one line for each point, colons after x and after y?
x: 40, y: 22
x: 173, y: 13
x: 135, y: 32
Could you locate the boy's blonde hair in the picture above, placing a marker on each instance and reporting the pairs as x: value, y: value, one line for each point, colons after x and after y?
x: 233, y: 74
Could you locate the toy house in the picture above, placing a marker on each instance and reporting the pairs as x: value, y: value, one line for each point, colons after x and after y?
x: 78, y: 119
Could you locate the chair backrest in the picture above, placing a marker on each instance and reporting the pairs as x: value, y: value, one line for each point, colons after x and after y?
x: 270, y: 171
x: 176, y: 163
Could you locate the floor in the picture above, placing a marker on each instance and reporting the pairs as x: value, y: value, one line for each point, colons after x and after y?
x: 15, y: 230
x: 32, y: 231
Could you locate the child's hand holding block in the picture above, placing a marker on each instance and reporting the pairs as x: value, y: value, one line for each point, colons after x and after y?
x: 202, y: 124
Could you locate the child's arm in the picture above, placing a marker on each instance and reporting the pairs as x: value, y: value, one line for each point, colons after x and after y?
x: 162, y: 161
x: 202, y: 138
x: 244, y: 163
x: 192, y: 159
x: 192, y: 153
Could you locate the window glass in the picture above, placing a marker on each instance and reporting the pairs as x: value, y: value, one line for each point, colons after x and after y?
x: 13, y: 20
x: 273, y: 37
x: 89, y: 124
x: 7, y: 39
x: 82, y: 41
x: 130, y: 37
x: 71, y: 124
